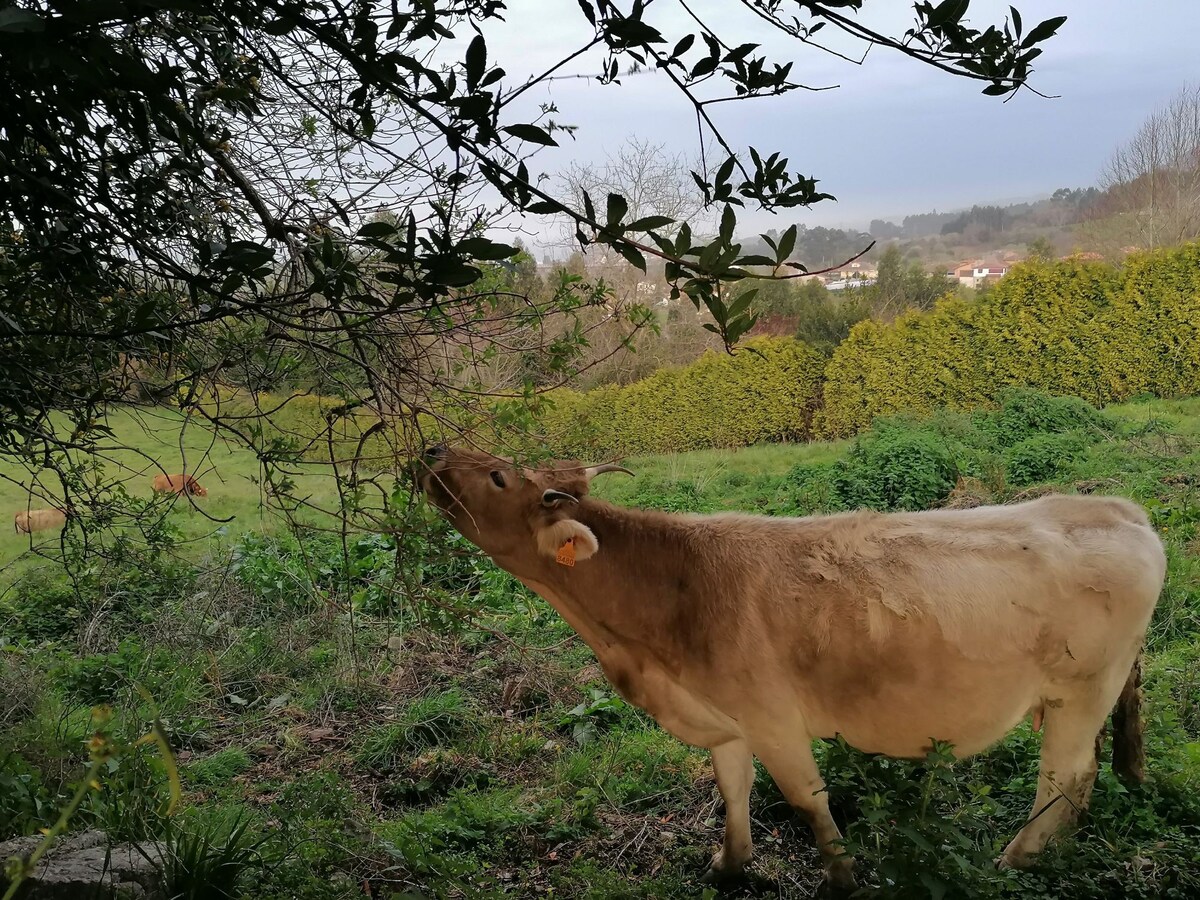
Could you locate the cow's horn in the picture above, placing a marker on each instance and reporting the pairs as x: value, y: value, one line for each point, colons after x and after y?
x: 551, y: 496
x: 592, y: 471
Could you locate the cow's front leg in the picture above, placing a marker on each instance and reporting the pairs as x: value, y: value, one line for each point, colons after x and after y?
x: 733, y: 765
x: 795, y: 771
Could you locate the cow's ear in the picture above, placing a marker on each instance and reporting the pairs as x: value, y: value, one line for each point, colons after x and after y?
x: 552, y: 537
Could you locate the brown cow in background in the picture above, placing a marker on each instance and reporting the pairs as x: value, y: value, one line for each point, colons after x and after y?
x: 29, y: 521
x: 178, y: 484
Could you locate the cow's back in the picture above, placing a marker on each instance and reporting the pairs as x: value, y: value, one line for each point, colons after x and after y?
x: 957, y: 620
x: 39, y: 520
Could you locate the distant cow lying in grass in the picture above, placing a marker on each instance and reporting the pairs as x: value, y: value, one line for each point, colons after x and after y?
x: 178, y: 484
x: 752, y: 635
x: 31, y: 520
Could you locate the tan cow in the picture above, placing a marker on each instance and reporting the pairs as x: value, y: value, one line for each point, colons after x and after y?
x: 29, y: 521
x: 751, y: 635
x: 178, y: 484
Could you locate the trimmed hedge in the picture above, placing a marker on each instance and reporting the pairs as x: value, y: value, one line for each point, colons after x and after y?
x: 767, y: 391
x: 1078, y: 328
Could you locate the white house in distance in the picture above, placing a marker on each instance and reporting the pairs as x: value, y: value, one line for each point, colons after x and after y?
x: 851, y: 276
x: 973, y: 273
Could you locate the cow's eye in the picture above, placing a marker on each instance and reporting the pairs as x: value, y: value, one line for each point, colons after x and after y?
x: 497, y: 479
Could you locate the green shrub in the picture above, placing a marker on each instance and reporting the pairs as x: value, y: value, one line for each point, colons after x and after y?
x: 41, y: 607
x: 920, y: 830
x: 132, y: 803
x: 102, y: 677
x: 1024, y: 413
x: 1042, y: 457
x: 805, y: 489
x: 896, y: 466
x: 25, y: 804
x: 913, y: 462
x: 275, y: 570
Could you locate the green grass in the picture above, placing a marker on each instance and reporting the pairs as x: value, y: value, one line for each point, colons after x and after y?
x: 739, y: 474
x: 1183, y: 414
x: 147, y: 442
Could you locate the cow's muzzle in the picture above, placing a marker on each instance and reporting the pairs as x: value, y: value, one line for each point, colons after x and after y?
x: 423, y: 467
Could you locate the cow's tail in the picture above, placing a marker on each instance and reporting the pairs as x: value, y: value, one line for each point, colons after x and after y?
x: 1129, y: 752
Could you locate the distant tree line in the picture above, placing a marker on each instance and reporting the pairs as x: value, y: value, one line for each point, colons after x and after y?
x: 1066, y: 206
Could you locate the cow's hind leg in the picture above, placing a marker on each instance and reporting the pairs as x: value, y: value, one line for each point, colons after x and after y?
x: 796, y: 773
x: 1066, y: 774
x: 733, y: 765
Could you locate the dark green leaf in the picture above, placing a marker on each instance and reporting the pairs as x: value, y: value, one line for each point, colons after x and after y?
x: 476, y: 61
x: 484, y: 249
x: 734, y: 330
x: 451, y: 272
x: 649, y: 223
x: 545, y: 208
x: 725, y: 171
x: 377, y: 230
x: 787, y: 243
x: 728, y: 223
x: 1043, y: 30
x: 742, y: 303
x: 704, y: 66
x: 617, y: 207
x: 633, y: 31
x: 632, y: 254
x: 685, y: 44
x: 531, y: 133
x: 280, y: 26
x: 947, y: 11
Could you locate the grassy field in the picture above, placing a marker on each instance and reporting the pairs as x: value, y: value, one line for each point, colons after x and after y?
x: 406, y: 721
x: 145, y: 443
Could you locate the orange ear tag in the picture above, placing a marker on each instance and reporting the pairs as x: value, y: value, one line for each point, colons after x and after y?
x: 566, y: 553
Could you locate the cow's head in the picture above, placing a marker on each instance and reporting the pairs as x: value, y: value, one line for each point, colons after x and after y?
x: 195, y: 488
x: 509, y: 511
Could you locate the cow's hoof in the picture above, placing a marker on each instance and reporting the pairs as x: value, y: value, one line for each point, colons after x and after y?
x: 839, y: 880
x: 1012, y: 861
x: 737, y: 880
x: 722, y: 872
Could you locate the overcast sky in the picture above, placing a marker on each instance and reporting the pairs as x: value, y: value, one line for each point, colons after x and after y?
x: 896, y: 137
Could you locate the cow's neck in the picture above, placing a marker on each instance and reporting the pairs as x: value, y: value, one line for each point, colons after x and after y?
x: 635, y: 590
